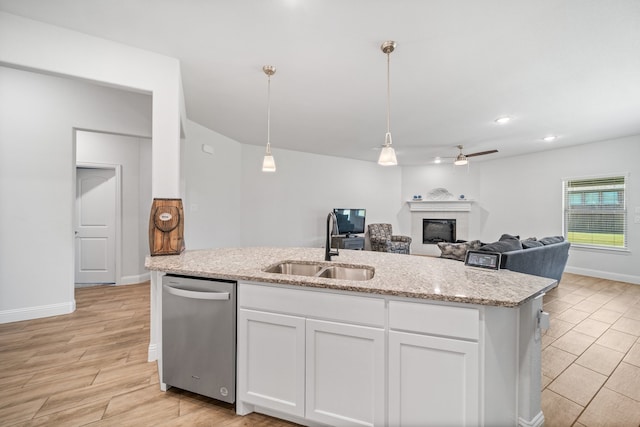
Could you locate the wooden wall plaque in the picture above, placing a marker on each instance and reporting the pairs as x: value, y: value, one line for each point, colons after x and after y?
x: 166, y: 227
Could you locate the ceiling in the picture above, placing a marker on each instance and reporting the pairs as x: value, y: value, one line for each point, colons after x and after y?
x: 569, y: 68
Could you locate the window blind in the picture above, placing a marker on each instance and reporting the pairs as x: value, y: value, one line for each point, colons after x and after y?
x: 595, y: 211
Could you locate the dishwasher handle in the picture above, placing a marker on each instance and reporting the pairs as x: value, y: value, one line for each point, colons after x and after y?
x: 197, y: 294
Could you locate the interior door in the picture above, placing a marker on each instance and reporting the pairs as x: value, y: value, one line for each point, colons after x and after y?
x: 95, y: 225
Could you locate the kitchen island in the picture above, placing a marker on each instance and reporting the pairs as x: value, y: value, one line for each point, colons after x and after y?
x: 425, y: 341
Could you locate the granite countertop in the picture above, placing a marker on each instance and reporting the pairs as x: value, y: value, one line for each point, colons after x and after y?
x: 395, y: 274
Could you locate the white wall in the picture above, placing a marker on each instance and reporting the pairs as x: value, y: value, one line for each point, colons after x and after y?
x: 132, y: 154
x: 212, y: 188
x: 29, y: 44
x: 34, y: 45
x: 523, y: 195
x: 38, y: 114
x: 289, y: 207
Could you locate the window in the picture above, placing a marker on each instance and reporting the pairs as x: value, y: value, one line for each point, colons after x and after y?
x: 595, y: 211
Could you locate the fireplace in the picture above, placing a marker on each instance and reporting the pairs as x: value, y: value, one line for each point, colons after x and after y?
x: 455, y: 211
x: 438, y: 230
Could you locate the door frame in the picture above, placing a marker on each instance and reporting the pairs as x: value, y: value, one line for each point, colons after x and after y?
x: 118, y: 212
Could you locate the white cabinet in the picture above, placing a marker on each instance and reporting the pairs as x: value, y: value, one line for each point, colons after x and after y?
x: 433, y: 365
x: 433, y: 381
x: 271, y: 358
x: 345, y: 360
x: 345, y: 374
x: 314, y: 355
x: 298, y: 354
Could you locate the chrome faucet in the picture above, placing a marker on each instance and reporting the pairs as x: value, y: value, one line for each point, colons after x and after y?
x: 328, y: 253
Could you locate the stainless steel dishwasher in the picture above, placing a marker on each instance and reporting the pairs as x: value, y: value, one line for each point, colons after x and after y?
x: 199, y: 336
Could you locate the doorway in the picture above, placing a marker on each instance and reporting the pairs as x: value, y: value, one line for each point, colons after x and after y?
x: 96, y: 224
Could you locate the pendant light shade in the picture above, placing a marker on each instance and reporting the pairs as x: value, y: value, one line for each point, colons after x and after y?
x: 388, y: 154
x: 268, y: 164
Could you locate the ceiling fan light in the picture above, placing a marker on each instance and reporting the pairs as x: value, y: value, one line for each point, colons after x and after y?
x: 461, y: 160
x: 387, y: 156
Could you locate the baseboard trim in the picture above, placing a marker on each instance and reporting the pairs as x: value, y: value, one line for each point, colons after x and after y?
x: 604, y: 275
x: 152, y: 353
x: 30, y: 313
x: 537, y: 421
x: 132, y: 280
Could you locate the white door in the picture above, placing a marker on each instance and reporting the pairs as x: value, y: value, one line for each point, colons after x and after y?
x: 95, y: 225
x: 271, y: 361
x: 433, y: 381
x: 345, y: 374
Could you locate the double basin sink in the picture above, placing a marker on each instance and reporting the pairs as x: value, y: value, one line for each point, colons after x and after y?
x: 312, y: 269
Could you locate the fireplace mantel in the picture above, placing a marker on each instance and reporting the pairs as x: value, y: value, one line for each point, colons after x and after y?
x: 440, y: 205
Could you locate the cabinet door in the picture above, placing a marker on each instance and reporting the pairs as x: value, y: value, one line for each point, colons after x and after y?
x: 433, y: 381
x: 271, y: 361
x: 345, y: 374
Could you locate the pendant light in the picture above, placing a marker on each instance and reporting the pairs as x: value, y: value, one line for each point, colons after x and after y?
x: 268, y: 164
x: 388, y: 154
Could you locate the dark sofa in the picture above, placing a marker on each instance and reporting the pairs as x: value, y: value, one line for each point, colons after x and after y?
x: 546, y: 257
x: 546, y: 261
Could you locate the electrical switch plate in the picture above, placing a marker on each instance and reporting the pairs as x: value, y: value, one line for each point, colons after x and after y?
x: 636, y: 219
x: 207, y: 149
x: 638, y: 209
x: 543, y: 318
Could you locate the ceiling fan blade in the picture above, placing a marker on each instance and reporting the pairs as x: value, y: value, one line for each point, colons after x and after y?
x: 481, y: 153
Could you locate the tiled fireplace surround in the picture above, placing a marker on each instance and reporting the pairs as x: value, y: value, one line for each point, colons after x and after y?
x: 438, y: 209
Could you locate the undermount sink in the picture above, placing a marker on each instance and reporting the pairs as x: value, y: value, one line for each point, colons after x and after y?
x: 347, y: 273
x: 311, y: 269
x: 299, y: 269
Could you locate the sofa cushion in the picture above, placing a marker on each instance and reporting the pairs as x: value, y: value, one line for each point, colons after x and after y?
x: 457, y: 251
x: 551, y: 240
x: 506, y: 245
x: 531, y: 242
x: 508, y: 237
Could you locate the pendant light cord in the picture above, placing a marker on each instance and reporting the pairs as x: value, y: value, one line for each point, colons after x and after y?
x: 388, y: 94
x: 269, y: 115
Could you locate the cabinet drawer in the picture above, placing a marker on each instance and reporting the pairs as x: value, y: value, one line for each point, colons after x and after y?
x: 313, y: 304
x: 435, y: 319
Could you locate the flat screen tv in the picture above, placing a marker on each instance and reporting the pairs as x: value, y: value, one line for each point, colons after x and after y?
x: 350, y: 221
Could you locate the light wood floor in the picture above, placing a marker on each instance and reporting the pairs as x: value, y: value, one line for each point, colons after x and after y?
x: 90, y: 368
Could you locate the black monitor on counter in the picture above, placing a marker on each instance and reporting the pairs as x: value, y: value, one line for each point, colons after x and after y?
x: 350, y: 221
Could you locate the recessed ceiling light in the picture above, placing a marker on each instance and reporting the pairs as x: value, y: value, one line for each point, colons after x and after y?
x: 549, y: 138
x: 437, y: 160
x: 503, y: 120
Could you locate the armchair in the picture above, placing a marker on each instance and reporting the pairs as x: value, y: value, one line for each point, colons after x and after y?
x: 382, y: 240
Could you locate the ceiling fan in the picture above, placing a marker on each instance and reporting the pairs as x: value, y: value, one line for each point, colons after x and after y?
x: 462, y: 159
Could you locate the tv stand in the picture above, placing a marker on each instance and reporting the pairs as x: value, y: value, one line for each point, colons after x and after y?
x: 350, y: 241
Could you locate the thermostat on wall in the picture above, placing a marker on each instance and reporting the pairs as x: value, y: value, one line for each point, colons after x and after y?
x: 490, y: 260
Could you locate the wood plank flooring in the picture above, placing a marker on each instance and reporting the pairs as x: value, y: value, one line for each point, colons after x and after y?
x: 90, y: 367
